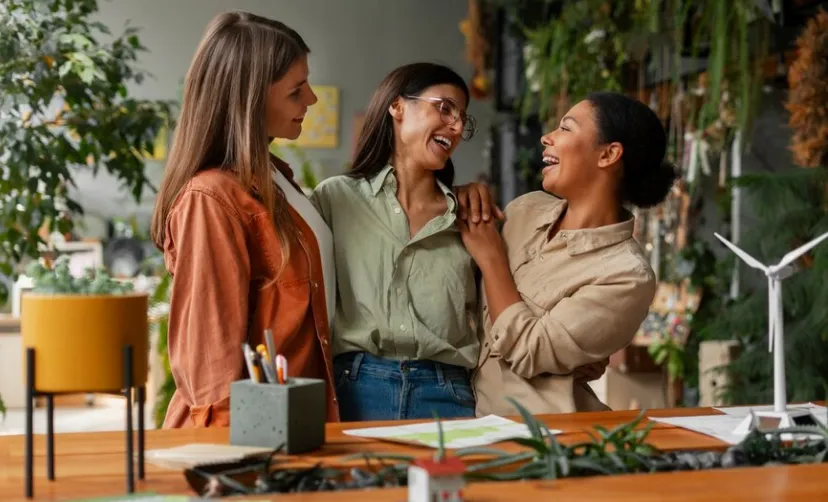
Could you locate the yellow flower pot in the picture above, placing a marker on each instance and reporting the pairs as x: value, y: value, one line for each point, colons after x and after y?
x: 79, y: 340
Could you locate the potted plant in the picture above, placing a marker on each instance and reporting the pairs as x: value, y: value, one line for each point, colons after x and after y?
x: 79, y: 326
x: 65, y: 108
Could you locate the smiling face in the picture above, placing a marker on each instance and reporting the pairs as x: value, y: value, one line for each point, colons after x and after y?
x: 421, y: 125
x: 288, y: 100
x: 575, y: 159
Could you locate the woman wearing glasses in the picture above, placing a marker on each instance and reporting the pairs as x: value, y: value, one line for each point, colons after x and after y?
x: 403, y: 337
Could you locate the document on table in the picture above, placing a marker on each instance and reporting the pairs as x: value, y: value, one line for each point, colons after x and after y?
x: 189, y: 455
x: 821, y: 412
x: 456, y: 433
x: 722, y: 426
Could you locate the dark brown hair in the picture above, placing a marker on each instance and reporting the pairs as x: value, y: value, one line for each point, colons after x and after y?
x: 647, y: 176
x: 222, y: 120
x: 375, y: 146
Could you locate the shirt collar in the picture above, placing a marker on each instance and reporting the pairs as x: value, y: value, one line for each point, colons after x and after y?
x: 587, y: 239
x: 386, y: 176
x: 380, y: 178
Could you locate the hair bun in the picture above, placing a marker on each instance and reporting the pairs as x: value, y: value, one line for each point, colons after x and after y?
x: 651, y: 189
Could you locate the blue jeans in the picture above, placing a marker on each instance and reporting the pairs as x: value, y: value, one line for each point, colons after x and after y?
x: 375, y: 388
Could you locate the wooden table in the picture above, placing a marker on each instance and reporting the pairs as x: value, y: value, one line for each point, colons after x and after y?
x: 92, y: 465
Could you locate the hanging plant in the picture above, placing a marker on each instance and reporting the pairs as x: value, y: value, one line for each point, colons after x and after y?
x: 582, y: 49
x: 808, y: 79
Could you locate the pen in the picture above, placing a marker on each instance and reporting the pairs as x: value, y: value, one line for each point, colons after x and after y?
x: 281, y: 369
x: 249, y: 359
x: 271, y: 345
x: 267, y: 365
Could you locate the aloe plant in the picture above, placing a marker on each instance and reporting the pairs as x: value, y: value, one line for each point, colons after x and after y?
x: 620, y: 450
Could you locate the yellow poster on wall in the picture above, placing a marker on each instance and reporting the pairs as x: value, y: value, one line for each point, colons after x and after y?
x: 320, y: 128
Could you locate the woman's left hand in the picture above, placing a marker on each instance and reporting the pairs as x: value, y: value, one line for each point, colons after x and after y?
x: 590, y: 372
x: 476, y: 203
x: 483, y: 241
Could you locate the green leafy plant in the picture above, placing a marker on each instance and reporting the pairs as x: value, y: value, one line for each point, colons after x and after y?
x: 2, y: 408
x: 668, y: 352
x: 306, y: 173
x: 59, y: 280
x: 64, y: 107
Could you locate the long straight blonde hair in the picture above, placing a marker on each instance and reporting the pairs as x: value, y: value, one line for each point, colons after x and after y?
x: 223, y: 114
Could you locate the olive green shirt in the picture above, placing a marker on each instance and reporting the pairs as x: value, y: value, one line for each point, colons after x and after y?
x: 398, y: 297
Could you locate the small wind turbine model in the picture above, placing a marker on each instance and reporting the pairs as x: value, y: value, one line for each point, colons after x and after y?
x: 782, y: 416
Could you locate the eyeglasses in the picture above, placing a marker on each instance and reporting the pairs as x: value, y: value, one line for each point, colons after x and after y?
x: 450, y: 114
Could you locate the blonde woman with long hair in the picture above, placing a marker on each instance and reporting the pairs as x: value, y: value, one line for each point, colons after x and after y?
x: 246, y: 249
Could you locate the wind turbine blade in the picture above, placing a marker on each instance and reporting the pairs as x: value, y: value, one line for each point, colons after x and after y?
x: 801, y: 250
x: 771, y: 313
x: 753, y: 262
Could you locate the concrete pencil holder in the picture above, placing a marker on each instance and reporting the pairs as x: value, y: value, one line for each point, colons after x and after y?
x: 293, y: 414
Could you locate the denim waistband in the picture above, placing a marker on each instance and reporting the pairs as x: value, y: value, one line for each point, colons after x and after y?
x: 419, y: 368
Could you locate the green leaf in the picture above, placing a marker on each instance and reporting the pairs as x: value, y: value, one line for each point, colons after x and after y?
x: 530, y: 421
x: 501, y: 462
x: 65, y: 68
x: 589, y: 465
x: 479, y: 450
x: 536, y: 444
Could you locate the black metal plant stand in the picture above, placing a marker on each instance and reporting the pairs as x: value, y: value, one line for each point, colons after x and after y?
x: 126, y: 391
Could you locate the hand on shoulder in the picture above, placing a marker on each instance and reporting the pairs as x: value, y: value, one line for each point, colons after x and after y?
x: 476, y: 203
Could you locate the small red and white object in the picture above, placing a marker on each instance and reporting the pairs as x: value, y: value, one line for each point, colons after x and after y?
x: 432, y: 480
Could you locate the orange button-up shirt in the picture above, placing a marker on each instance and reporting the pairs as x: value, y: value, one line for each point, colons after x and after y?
x: 223, y: 251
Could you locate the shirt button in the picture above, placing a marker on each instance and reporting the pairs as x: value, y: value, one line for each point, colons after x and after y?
x: 397, y: 210
x: 402, y: 327
x: 324, y: 342
x: 399, y: 290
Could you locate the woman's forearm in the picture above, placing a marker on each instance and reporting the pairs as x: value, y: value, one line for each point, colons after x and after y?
x: 501, y: 290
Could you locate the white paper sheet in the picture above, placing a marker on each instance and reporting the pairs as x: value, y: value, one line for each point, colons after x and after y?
x: 722, y: 426
x: 456, y: 433
x: 188, y: 455
x: 742, y: 411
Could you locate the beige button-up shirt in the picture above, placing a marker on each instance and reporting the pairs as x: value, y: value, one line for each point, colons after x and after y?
x: 585, y: 293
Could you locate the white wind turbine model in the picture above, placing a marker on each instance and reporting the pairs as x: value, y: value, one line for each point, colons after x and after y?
x: 782, y: 416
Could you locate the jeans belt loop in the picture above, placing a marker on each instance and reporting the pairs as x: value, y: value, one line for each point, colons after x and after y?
x: 441, y: 377
x: 357, y: 362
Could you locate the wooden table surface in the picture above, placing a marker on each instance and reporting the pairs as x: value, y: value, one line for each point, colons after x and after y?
x: 92, y: 465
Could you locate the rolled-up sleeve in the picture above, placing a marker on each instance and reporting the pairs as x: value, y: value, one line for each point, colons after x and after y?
x: 208, y: 258
x: 588, y: 326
